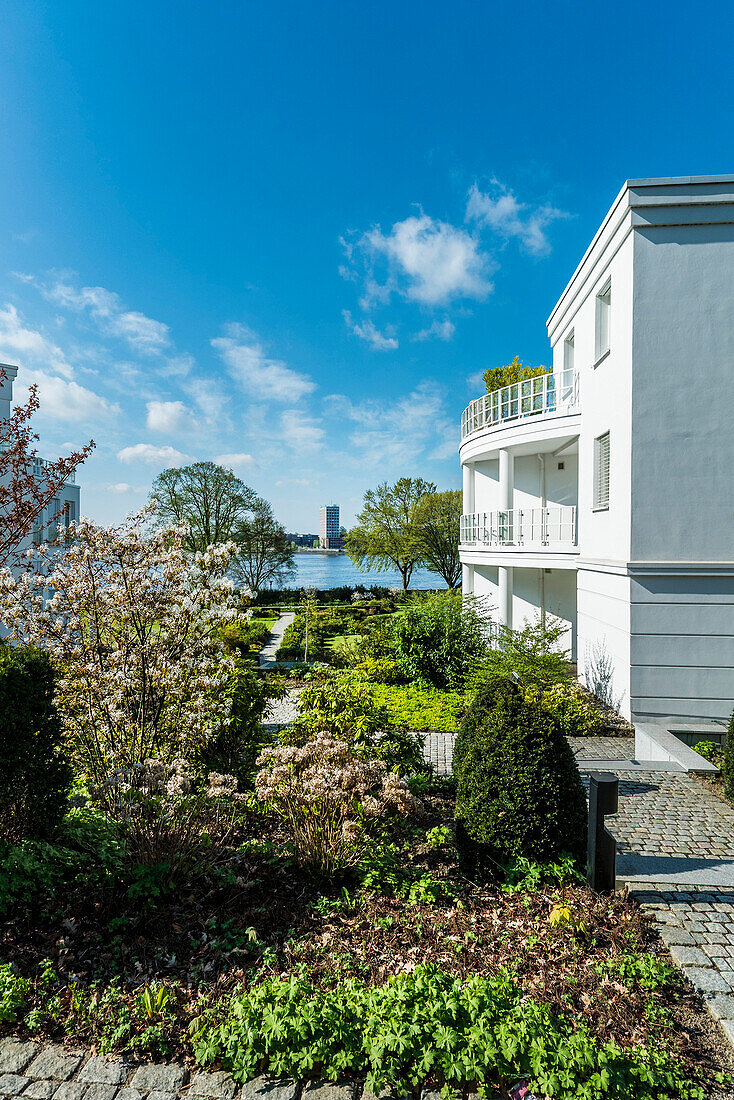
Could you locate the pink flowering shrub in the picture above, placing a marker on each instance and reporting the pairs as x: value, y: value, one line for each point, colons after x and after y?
x: 326, y: 794
x: 168, y: 821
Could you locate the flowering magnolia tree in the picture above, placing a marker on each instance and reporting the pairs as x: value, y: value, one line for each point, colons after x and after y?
x: 23, y: 495
x: 133, y: 623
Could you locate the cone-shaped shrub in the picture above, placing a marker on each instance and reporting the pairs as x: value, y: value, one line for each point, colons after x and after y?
x: 519, y: 790
x: 729, y: 760
x: 34, y: 775
x: 483, y: 703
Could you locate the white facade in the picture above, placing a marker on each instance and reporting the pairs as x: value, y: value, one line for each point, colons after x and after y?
x: 604, y: 496
x: 64, y: 507
x: 329, y: 528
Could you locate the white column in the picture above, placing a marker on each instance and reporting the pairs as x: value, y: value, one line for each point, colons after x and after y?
x: 467, y: 580
x: 504, y: 611
x: 468, y: 476
x: 507, y: 479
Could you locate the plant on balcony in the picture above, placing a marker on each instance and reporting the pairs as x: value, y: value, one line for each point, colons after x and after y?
x: 519, y: 791
x: 496, y: 378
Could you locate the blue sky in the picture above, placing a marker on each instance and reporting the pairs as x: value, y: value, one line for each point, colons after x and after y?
x: 294, y: 234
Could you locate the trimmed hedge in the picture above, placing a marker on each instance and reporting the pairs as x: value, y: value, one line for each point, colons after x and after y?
x: 728, y: 768
x: 519, y: 791
x: 35, y: 776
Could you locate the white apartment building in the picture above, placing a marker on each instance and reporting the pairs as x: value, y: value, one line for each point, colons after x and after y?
x: 603, y: 493
x: 329, y: 529
x: 64, y: 507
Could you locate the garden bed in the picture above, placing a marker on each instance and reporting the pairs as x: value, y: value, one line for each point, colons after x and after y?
x: 407, y: 914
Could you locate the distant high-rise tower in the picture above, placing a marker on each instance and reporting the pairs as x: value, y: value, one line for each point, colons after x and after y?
x: 329, y: 530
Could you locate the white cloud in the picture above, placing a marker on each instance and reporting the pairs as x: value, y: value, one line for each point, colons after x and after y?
x: 27, y: 344
x: 238, y: 461
x: 152, y: 455
x: 169, y: 416
x: 300, y: 432
x: 141, y: 333
x: 64, y: 400
x: 264, y: 378
x: 366, y: 330
x: 400, y: 431
x: 44, y: 363
x: 439, y: 330
x: 505, y: 215
x: 427, y: 261
x: 121, y: 487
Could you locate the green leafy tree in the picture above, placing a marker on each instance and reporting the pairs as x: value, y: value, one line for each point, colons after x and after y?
x: 385, y: 536
x: 264, y: 556
x: 437, y: 523
x: 498, y: 377
x: 208, y: 498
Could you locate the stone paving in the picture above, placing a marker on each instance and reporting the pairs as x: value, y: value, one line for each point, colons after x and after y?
x: 57, y: 1073
x: 438, y: 749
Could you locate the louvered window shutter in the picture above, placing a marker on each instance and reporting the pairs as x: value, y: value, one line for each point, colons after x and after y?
x: 601, y: 471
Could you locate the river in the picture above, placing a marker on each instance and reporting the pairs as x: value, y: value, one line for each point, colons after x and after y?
x: 337, y: 570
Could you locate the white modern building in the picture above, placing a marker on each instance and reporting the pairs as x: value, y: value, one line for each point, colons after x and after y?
x: 329, y: 530
x: 603, y: 493
x: 63, y: 509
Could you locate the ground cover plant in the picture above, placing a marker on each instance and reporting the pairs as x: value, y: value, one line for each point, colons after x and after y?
x: 291, y: 899
x: 432, y: 977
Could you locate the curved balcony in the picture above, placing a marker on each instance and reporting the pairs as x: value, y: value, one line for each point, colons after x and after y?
x: 544, y: 395
x: 552, y: 528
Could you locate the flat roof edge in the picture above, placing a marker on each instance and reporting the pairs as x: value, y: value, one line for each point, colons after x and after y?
x: 645, y: 181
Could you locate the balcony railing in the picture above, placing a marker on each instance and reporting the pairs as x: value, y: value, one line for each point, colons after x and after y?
x: 40, y: 464
x: 521, y: 527
x: 539, y: 396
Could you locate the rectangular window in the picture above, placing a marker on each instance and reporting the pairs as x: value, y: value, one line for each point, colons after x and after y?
x: 568, y: 352
x: 603, y: 313
x: 601, y: 472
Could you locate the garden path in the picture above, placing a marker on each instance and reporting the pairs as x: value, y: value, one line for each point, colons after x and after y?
x: 271, y: 647
x: 675, y: 854
x: 43, y: 1072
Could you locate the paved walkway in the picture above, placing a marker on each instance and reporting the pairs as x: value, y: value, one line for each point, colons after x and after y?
x: 675, y: 852
x: 58, y: 1073
x: 271, y: 647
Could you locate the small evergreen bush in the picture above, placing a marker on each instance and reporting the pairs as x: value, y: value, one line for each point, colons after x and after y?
x: 476, y: 716
x: 574, y: 709
x: 35, y: 776
x: 519, y: 791
x: 729, y: 760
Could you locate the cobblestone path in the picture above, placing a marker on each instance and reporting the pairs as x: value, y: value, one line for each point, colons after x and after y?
x: 58, y: 1073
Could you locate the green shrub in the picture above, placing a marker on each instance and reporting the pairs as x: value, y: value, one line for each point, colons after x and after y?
x: 87, y: 851
x: 347, y: 709
x: 293, y: 644
x: 710, y: 751
x: 572, y: 707
x: 381, y: 670
x: 728, y: 768
x: 419, y: 707
x: 427, y: 1023
x: 439, y: 639
x: 35, y: 777
x: 14, y: 994
x: 519, y: 791
x: 235, y: 746
x: 476, y: 715
x: 496, y: 378
x: 531, y: 654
